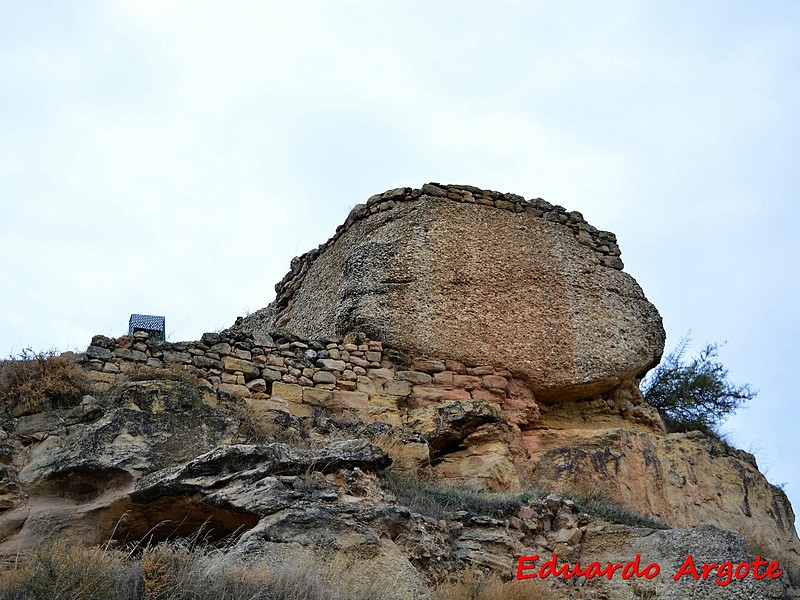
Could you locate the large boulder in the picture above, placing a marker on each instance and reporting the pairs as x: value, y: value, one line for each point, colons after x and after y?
x: 482, y: 278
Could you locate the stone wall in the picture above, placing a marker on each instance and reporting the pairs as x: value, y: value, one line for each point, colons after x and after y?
x: 297, y: 375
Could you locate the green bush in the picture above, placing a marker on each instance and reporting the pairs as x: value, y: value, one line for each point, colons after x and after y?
x: 694, y: 395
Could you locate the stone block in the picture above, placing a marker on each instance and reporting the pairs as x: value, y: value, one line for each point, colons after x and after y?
x: 413, y: 377
x: 350, y: 400
x: 271, y: 374
x: 290, y: 392
x: 397, y: 388
x: 495, y: 381
x: 257, y: 385
x: 232, y: 364
x: 433, y: 393
x: 234, y: 389
x: 428, y: 365
x: 467, y: 382
x: 330, y: 364
x: 317, y: 397
x: 382, y: 373
x: 323, y: 377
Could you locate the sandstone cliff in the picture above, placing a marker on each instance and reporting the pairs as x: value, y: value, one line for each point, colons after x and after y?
x: 447, y: 335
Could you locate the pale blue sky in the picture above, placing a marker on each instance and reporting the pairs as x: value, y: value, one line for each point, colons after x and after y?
x: 172, y: 157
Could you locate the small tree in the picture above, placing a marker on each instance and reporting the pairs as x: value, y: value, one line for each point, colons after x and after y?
x: 694, y: 395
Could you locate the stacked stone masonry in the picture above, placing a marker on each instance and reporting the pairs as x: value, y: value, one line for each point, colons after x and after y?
x: 298, y: 375
x: 602, y: 242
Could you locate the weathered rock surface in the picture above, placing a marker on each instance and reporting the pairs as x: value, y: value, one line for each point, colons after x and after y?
x: 685, y: 480
x: 509, y: 347
x: 156, y: 460
x: 669, y: 549
x: 70, y: 466
x: 478, y: 284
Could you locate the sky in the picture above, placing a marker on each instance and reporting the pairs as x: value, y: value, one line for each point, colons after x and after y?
x: 171, y: 157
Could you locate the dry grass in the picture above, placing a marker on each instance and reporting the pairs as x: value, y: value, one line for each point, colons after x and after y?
x: 70, y: 572
x: 475, y: 585
x: 176, y: 571
x: 436, y: 498
x: 257, y: 426
x: 172, y: 371
x: 600, y: 506
x: 34, y: 381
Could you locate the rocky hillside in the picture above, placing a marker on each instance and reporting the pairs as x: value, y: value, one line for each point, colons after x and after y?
x: 450, y: 382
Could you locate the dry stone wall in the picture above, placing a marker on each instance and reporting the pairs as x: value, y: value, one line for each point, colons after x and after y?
x: 297, y: 375
x: 464, y: 421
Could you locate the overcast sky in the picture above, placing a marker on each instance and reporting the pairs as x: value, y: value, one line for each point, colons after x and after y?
x: 171, y: 158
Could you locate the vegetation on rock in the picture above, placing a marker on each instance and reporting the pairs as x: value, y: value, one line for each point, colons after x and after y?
x: 437, y: 498
x: 694, y: 395
x: 601, y: 507
x: 35, y: 381
x: 177, y: 571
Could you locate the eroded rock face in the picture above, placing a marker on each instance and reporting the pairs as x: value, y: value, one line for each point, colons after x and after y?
x: 73, y: 470
x: 157, y: 460
x: 480, y: 284
x: 684, y: 480
x: 669, y: 549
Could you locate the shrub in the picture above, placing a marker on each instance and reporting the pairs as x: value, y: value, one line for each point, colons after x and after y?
x: 40, y: 380
x: 172, y: 572
x: 694, y: 395
x: 597, y: 505
x: 436, y: 499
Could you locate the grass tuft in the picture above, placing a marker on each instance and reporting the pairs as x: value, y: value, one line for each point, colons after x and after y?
x: 171, y: 571
x: 36, y: 381
x: 599, y: 506
x: 436, y: 499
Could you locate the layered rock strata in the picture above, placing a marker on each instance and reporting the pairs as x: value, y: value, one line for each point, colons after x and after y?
x: 447, y: 334
x: 475, y: 425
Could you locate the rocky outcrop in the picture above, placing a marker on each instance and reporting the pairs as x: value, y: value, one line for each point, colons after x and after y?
x: 68, y: 467
x: 481, y: 278
x: 685, y: 480
x: 427, y: 392
x: 324, y: 499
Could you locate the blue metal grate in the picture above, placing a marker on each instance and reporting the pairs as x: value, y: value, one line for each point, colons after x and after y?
x: 152, y: 324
